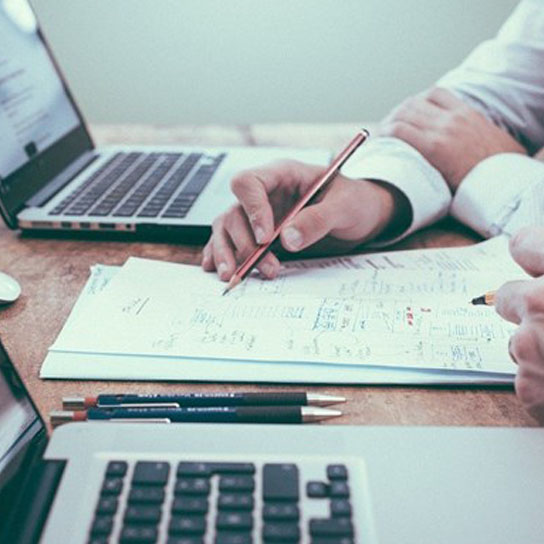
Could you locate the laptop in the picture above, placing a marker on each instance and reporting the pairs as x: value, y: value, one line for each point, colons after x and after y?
x: 235, y: 484
x: 53, y: 178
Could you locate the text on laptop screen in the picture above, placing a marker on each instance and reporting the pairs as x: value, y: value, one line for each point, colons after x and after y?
x: 35, y: 110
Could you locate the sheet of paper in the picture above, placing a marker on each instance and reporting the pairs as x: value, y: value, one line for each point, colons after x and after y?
x: 337, y: 314
x: 94, y: 366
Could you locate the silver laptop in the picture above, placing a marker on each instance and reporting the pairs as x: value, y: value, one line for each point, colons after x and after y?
x: 235, y: 484
x: 53, y: 178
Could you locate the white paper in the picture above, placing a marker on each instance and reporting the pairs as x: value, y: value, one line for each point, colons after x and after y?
x: 412, y: 312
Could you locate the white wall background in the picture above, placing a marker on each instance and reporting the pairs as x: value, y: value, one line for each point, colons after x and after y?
x: 246, y: 61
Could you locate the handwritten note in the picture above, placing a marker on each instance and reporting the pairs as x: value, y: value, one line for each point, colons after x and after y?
x: 406, y: 309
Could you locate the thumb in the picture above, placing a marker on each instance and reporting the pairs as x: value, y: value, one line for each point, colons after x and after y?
x: 310, y: 225
x: 527, y: 249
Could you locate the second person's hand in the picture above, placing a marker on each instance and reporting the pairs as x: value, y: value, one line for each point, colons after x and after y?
x: 349, y: 213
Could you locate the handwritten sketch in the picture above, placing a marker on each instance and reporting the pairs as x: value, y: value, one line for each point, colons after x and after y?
x: 407, y: 309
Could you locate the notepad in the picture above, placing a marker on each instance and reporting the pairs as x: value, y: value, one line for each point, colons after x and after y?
x: 395, y: 317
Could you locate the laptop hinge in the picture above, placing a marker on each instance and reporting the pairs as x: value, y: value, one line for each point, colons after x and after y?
x: 35, y: 501
x: 61, y: 180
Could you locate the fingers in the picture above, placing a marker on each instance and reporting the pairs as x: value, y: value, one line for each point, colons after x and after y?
x: 416, y: 111
x: 443, y: 98
x: 409, y: 133
x: 231, y: 243
x: 222, y: 250
x: 527, y: 249
x: 207, y: 258
x: 310, y: 225
x: 527, y: 348
x: 253, y: 187
x: 517, y: 300
x: 239, y: 231
x: 338, y: 215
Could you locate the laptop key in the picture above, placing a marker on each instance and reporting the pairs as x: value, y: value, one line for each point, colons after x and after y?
x: 192, y: 486
x: 98, y: 540
x: 235, y: 501
x: 230, y: 537
x: 281, y: 532
x: 233, y: 468
x: 337, y: 540
x: 331, y: 527
x: 112, y: 486
x: 339, y: 489
x: 138, y: 534
x: 195, y: 469
x: 280, y: 482
x: 317, y: 489
x: 234, y: 521
x: 149, y: 495
x: 151, y: 473
x: 280, y: 511
x: 340, y: 508
x: 192, y: 525
x: 116, y: 468
x: 236, y: 483
x: 190, y: 505
x: 337, y: 472
x: 107, y: 505
x: 102, y: 525
x: 185, y: 540
x: 143, y: 514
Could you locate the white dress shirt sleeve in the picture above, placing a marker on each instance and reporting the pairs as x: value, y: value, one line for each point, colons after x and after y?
x: 501, y: 194
x: 393, y: 161
x: 504, y: 79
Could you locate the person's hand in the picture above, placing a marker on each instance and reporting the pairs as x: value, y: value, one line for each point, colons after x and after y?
x: 522, y: 302
x: 452, y: 136
x: 350, y: 212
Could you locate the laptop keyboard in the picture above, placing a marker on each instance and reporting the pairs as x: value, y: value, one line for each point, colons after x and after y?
x: 142, y: 185
x: 222, y: 503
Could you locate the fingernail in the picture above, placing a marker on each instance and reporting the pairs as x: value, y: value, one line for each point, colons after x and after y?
x: 259, y: 235
x: 292, y: 237
x: 267, y: 269
x: 222, y: 270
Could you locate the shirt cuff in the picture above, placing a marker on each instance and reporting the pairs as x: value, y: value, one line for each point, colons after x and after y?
x: 395, y: 162
x: 490, y: 196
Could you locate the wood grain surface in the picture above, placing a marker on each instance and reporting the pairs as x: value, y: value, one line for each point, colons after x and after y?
x: 52, y: 272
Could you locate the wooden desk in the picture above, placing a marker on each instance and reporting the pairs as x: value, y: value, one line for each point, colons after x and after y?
x: 53, y: 271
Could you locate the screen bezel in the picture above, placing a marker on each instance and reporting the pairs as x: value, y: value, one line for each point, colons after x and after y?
x: 45, y: 166
x: 12, y: 377
x: 25, y: 451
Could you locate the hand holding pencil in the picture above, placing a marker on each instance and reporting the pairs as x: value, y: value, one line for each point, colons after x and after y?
x: 349, y: 213
x: 522, y: 303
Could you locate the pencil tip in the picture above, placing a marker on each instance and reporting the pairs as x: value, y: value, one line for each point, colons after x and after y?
x: 227, y: 289
x: 478, y: 300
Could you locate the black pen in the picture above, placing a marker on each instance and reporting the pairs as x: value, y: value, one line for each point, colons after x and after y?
x: 241, y: 414
x: 201, y: 399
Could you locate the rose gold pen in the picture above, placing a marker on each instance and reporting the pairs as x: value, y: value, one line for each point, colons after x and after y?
x: 260, y: 251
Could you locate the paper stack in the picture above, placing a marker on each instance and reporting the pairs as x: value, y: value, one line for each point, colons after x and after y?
x: 396, y: 317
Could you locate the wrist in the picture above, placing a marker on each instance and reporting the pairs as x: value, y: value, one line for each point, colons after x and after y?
x: 395, y: 211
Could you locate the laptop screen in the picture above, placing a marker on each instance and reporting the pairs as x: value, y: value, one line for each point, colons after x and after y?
x: 38, y: 118
x: 19, y: 424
